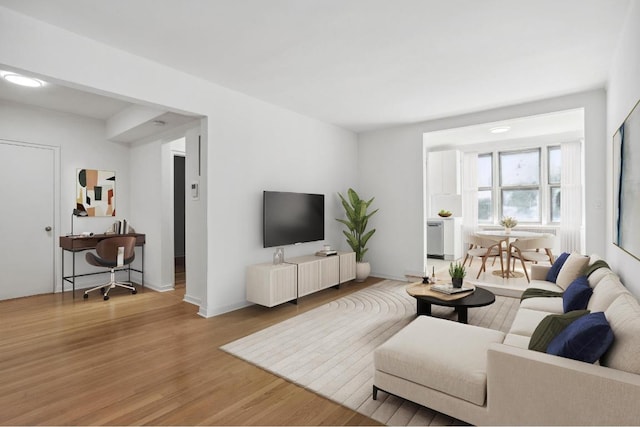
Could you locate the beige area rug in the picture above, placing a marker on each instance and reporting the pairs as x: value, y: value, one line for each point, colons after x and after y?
x: 329, y: 350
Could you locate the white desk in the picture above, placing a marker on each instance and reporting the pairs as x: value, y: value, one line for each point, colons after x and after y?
x: 506, y: 237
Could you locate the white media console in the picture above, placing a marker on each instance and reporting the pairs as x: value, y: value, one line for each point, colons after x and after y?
x: 272, y: 284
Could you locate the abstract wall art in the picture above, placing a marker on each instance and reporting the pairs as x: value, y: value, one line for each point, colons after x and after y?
x: 626, y: 184
x: 96, y: 192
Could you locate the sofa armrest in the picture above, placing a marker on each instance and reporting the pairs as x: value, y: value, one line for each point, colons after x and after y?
x: 529, y: 387
x: 539, y: 272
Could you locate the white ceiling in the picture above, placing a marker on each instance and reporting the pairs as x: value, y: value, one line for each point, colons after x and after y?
x: 363, y: 64
x: 61, y: 98
x: 567, y: 124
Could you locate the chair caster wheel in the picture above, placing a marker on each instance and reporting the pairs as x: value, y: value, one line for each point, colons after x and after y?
x: 102, y: 291
x: 106, y: 297
x: 85, y: 296
x: 133, y: 292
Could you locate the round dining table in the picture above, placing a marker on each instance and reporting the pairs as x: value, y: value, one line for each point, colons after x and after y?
x: 506, y: 236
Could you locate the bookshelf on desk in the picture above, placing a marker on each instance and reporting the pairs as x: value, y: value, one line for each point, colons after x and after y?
x: 75, y: 244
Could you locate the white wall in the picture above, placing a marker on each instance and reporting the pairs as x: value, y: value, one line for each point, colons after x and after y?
x: 267, y: 148
x: 390, y: 168
x: 82, y: 145
x: 148, y: 211
x: 622, y: 94
x: 248, y: 146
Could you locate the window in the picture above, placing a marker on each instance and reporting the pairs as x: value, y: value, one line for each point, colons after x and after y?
x: 524, y: 184
x: 520, y: 185
x: 554, y: 172
x: 485, y: 191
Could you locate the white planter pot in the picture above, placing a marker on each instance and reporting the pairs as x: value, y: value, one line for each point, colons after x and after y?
x: 363, y: 269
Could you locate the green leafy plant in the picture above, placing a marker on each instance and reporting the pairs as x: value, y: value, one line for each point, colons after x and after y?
x: 357, y: 221
x: 509, y: 222
x: 457, y: 270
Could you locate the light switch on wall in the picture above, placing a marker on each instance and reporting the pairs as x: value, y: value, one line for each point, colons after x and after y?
x: 195, y: 190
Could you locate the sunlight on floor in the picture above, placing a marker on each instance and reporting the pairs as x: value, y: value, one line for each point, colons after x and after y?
x: 511, y: 287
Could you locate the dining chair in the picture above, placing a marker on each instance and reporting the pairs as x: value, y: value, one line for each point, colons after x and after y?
x: 532, y: 250
x: 484, y: 247
x: 113, y: 253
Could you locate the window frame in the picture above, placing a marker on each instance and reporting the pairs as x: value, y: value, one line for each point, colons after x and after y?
x: 553, y: 184
x: 490, y: 189
x: 544, y: 187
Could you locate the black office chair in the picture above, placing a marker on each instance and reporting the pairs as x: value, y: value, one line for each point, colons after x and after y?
x: 113, y: 252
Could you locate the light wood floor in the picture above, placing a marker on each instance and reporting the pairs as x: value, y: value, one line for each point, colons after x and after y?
x: 147, y: 359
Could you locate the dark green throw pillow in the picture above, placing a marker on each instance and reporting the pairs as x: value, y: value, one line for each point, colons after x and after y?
x: 550, y: 327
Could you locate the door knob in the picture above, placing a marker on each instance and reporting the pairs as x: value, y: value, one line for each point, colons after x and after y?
x: 47, y: 228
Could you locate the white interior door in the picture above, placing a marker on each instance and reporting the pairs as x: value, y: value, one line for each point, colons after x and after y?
x: 27, y: 187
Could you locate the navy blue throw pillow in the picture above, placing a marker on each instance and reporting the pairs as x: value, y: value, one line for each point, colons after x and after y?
x: 577, y: 295
x: 586, y: 339
x: 552, y: 274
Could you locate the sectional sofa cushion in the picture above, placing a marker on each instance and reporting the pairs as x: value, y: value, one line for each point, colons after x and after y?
x: 548, y: 304
x: 596, y: 274
x: 526, y: 321
x: 515, y: 340
x: 586, y: 339
x: 571, y: 269
x: 577, y: 295
x: 624, y: 317
x: 550, y: 327
x: 605, y: 293
x: 552, y: 274
x: 442, y: 355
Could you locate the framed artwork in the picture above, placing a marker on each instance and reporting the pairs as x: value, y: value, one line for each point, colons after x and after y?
x: 96, y: 192
x: 626, y: 184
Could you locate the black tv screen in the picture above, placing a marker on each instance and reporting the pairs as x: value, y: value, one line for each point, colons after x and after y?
x: 290, y: 218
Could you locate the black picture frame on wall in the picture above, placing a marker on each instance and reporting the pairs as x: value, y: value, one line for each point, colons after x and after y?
x: 626, y: 184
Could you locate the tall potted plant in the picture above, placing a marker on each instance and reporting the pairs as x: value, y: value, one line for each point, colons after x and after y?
x: 357, y: 235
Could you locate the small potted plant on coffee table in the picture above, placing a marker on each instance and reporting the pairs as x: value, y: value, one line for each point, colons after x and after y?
x: 457, y: 273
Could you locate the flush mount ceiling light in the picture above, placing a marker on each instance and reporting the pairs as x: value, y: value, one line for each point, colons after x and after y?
x: 21, y: 80
x: 500, y: 129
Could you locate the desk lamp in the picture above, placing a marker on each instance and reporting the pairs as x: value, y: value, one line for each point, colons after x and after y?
x: 77, y: 212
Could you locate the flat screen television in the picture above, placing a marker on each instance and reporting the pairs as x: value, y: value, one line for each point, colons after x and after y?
x: 290, y: 218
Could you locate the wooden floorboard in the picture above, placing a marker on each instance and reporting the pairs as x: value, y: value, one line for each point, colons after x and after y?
x: 147, y: 359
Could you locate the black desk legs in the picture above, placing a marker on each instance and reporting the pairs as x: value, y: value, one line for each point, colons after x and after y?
x: 73, y: 273
x: 73, y: 278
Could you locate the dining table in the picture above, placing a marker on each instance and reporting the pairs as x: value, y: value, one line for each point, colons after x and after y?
x: 506, y: 236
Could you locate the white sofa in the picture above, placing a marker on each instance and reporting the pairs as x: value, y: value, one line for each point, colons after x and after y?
x: 484, y: 376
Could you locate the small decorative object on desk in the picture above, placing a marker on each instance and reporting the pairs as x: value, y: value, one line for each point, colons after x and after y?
x: 457, y: 273
x: 121, y: 227
x: 508, y: 222
x: 445, y: 213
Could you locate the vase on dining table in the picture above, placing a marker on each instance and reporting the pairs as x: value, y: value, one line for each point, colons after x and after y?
x: 507, y: 230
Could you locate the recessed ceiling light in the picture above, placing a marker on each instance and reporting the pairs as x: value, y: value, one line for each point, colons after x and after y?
x: 21, y: 80
x: 500, y: 129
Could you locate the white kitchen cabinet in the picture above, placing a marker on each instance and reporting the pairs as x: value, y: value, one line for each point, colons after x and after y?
x: 443, y: 170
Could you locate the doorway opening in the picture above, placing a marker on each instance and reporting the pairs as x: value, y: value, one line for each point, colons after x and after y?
x: 179, y: 227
